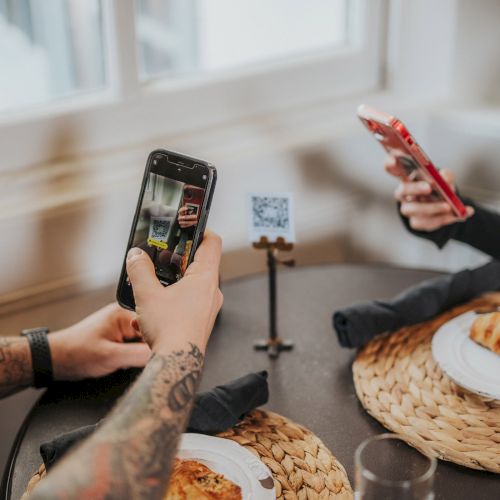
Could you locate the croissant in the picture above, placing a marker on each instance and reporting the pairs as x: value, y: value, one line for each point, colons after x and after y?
x: 486, y: 331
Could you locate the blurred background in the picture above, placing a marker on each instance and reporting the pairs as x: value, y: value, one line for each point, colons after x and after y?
x: 267, y: 90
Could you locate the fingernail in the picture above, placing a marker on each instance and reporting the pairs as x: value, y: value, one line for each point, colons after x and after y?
x: 133, y: 252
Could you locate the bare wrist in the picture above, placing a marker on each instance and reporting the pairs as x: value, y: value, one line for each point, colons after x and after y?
x: 59, y: 357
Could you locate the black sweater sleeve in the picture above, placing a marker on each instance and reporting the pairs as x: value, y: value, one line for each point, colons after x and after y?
x: 482, y: 231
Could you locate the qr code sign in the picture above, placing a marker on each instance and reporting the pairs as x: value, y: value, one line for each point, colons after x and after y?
x: 271, y: 216
x: 270, y: 211
x: 159, y: 228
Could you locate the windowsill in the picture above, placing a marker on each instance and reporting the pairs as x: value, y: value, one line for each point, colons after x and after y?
x: 62, y: 183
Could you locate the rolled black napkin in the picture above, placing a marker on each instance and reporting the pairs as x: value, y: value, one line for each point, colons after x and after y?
x: 358, y: 324
x: 213, y: 411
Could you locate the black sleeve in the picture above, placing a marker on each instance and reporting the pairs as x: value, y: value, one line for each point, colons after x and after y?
x: 481, y: 231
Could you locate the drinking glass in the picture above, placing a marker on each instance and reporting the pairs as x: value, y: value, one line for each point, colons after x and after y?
x: 388, y: 469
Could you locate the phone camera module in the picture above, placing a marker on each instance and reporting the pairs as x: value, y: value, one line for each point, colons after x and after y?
x: 188, y: 194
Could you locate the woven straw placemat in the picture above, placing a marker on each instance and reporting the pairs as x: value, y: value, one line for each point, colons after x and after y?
x: 399, y: 384
x: 302, y: 467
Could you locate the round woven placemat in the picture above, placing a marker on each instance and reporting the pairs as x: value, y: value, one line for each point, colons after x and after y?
x: 399, y: 384
x: 302, y: 466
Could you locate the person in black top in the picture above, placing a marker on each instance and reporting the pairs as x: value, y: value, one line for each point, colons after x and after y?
x: 434, y: 220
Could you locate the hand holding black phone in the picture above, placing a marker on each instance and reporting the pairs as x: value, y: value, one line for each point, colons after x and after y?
x: 171, y: 183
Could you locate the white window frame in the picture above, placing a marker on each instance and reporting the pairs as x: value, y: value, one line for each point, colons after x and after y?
x: 132, y: 112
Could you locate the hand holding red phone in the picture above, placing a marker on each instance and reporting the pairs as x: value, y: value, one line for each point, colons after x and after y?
x: 186, y: 218
x: 423, y: 211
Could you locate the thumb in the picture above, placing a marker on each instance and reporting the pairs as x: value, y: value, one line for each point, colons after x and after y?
x: 132, y: 354
x: 141, y: 272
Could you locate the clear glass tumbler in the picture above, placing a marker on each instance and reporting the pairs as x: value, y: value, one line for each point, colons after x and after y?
x: 388, y: 469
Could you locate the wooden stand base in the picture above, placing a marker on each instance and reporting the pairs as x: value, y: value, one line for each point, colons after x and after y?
x: 273, y: 347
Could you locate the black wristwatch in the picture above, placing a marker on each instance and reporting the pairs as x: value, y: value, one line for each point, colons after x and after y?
x: 40, y: 355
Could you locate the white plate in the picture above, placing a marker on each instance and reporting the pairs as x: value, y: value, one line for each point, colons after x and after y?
x: 232, y: 460
x: 473, y: 367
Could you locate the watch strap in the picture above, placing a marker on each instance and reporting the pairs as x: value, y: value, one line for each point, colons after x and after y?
x: 40, y: 355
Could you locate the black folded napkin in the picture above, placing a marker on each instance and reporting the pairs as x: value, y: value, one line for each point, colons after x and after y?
x: 358, y: 324
x: 213, y: 411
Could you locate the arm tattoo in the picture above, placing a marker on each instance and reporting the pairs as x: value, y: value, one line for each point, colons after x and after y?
x: 131, y: 454
x: 16, y: 372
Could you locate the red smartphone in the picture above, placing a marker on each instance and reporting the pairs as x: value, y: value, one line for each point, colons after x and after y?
x: 192, y: 199
x: 397, y: 140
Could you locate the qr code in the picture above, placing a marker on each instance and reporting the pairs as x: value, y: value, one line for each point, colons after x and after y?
x: 160, y: 228
x: 270, y: 212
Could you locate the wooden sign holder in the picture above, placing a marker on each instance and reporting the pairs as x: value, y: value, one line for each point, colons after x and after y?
x: 274, y: 344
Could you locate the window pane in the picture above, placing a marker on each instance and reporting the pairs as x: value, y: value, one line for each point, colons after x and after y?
x: 178, y: 36
x: 49, y: 49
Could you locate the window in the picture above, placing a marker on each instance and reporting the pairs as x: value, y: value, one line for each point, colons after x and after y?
x: 49, y: 49
x: 124, y: 63
x: 179, y: 36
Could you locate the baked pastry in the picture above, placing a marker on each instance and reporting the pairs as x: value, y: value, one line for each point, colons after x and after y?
x: 191, y: 480
x: 486, y: 331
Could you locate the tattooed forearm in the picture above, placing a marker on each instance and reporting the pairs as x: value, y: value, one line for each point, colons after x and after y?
x: 131, y: 453
x: 16, y: 372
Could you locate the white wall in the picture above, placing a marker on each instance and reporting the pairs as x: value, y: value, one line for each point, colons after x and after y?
x: 64, y: 225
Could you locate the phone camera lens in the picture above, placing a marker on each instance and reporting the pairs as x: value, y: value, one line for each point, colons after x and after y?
x: 188, y: 194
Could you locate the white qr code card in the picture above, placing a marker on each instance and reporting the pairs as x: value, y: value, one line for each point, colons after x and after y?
x: 271, y: 215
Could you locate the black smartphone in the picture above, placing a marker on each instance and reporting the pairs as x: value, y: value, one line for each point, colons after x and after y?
x: 160, y: 226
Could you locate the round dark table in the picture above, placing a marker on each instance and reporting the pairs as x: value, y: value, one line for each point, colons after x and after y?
x: 312, y: 384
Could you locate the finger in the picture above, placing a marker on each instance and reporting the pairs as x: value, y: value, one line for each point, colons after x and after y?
x: 448, y: 176
x: 418, y: 209
x: 117, y: 320
x: 469, y: 211
x: 134, y: 324
x: 416, y: 188
x: 209, y: 252
x: 183, y: 209
x: 125, y: 321
x: 135, y: 355
x: 141, y: 273
x: 394, y: 167
x: 115, y: 310
x: 432, y: 223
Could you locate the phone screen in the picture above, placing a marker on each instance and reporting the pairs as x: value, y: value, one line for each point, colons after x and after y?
x: 168, y: 216
x: 166, y: 225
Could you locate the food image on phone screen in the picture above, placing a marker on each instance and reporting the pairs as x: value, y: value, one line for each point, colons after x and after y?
x: 172, y: 207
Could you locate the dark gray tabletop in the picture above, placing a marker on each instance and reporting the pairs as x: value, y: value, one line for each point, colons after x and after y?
x: 312, y: 384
